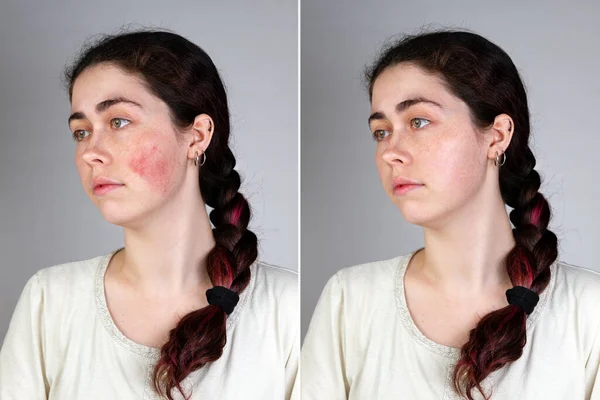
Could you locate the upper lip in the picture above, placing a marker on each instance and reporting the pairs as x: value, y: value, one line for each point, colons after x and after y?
x: 103, y: 181
x: 403, y: 181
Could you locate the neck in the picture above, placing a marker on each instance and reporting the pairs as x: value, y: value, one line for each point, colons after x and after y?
x: 468, y: 251
x: 167, y: 253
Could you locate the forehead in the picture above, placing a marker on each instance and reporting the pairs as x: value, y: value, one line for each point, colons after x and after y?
x: 102, y: 81
x: 405, y: 81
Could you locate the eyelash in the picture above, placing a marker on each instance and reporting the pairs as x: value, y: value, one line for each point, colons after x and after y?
x: 78, y: 139
x: 376, y: 132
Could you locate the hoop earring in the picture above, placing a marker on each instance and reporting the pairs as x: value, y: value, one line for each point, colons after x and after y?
x: 497, y: 160
x: 197, y: 159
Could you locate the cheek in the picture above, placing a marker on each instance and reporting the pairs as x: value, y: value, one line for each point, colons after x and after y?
x: 457, y: 166
x: 152, y: 166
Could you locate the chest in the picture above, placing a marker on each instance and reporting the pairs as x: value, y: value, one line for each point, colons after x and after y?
x: 405, y: 367
x: 448, y: 319
x: 119, y: 369
x: 447, y: 324
x: 116, y: 375
x: 146, y: 320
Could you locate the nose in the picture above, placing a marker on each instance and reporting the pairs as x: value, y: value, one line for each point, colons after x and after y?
x: 395, y: 151
x: 96, y: 150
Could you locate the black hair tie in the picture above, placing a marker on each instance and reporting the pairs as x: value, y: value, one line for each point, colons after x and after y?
x: 222, y: 297
x: 522, y: 297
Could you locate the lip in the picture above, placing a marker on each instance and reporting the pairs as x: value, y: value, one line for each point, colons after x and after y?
x: 103, y: 185
x: 401, y: 186
x: 104, y: 189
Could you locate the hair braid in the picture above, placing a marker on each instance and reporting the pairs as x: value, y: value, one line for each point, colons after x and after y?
x: 500, y: 336
x: 201, y: 335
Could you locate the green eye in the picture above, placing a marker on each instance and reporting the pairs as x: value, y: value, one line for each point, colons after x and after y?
x: 118, y: 123
x: 79, y: 135
x: 418, y: 123
x: 380, y: 134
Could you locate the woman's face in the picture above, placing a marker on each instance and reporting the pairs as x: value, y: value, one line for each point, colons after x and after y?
x: 124, y: 134
x: 425, y: 135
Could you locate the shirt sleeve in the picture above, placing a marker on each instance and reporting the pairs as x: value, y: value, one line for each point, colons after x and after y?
x: 592, y: 369
x: 291, y: 372
x: 22, y: 373
x: 322, y: 360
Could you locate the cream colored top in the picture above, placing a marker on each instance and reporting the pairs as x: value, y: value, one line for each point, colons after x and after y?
x: 362, y: 342
x: 63, y: 344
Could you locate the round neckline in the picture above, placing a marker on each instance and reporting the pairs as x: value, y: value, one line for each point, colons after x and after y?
x: 437, y: 348
x: 137, y: 348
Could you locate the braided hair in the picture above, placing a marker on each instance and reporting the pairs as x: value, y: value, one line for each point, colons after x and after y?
x: 483, y: 76
x: 183, y: 76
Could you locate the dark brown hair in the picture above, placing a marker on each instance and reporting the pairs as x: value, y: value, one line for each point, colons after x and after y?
x: 183, y: 76
x: 483, y: 76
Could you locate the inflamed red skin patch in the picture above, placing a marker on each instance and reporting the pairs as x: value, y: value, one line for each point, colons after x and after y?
x: 153, y: 166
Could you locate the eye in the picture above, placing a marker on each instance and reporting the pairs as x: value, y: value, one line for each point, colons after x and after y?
x: 380, y: 134
x: 418, y: 123
x: 118, y: 123
x: 79, y: 135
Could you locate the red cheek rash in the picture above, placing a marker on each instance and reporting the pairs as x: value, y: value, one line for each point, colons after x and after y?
x: 153, y: 167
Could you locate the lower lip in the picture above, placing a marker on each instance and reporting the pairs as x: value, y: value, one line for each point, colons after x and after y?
x: 403, y: 189
x: 104, y: 189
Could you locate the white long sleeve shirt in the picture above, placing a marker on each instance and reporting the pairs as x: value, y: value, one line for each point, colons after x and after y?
x: 62, y: 343
x: 362, y: 342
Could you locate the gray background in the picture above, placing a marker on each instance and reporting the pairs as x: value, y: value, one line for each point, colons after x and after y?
x: 346, y: 217
x: 45, y: 216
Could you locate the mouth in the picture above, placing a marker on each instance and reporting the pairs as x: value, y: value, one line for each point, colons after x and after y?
x: 404, y: 188
x: 102, y: 189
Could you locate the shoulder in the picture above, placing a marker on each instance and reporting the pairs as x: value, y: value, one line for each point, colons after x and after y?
x: 275, y: 285
x: 358, y: 288
x: 71, y: 276
x: 574, y: 304
x: 579, y: 286
x: 275, y: 280
x: 362, y: 277
x: 275, y: 276
x: 270, y: 303
x: 62, y: 294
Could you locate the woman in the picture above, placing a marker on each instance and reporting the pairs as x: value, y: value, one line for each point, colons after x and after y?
x: 183, y: 310
x: 483, y: 310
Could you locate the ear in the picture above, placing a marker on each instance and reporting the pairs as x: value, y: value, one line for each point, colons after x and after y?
x: 201, y: 133
x: 501, y: 135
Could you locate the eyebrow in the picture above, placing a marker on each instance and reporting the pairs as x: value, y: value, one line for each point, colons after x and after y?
x: 404, y: 105
x: 103, y: 106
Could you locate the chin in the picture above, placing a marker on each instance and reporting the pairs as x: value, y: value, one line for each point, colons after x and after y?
x: 416, y: 213
x: 117, y: 214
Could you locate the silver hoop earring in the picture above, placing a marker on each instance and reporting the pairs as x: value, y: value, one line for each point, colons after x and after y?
x: 197, y: 159
x: 497, y: 160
